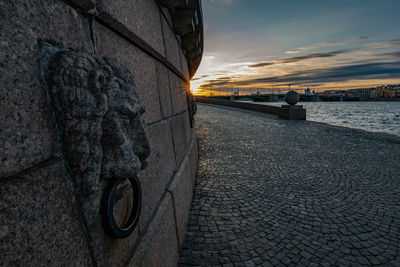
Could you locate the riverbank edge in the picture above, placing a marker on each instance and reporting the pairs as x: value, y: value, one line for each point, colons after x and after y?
x: 242, y: 105
x: 275, y: 116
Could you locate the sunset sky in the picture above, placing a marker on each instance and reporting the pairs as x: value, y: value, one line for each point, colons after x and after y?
x: 321, y: 44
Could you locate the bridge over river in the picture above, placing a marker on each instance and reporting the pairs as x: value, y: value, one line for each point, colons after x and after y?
x: 277, y: 192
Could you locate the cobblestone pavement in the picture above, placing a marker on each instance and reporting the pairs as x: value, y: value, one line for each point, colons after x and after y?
x: 275, y: 192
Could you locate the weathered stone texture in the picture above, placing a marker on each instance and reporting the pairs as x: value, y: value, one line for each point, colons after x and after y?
x: 86, y: 5
x: 98, y: 113
x: 141, y: 65
x: 184, y: 66
x: 167, y: 14
x: 178, y: 93
x: 159, y: 247
x: 193, y: 157
x: 161, y: 161
x: 42, y: 221
x: 172, y: 47
x: 181, y: 133
x: 39, y: 222
x: 141, y: 17
x: 108, y: 251
x: 27, y: 132
x: 164, y: 90
x: 181, y: 190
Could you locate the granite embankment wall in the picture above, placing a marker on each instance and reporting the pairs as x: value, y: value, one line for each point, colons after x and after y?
x: 46, y: 218
x: 237, y: 104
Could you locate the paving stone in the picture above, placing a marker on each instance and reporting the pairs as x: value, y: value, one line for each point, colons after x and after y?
x: 311, y: 198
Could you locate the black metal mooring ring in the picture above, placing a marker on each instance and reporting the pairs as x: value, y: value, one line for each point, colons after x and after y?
x: 109, y: 196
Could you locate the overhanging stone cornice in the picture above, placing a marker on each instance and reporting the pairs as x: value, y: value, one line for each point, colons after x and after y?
x: 187, y: 24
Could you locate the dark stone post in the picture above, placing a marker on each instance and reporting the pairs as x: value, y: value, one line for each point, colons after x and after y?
x: 292, y: 111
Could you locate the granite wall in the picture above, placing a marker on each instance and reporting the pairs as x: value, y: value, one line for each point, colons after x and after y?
x: 43, y: 218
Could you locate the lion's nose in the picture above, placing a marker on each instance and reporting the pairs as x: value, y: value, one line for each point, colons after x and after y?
x: 120, y: 162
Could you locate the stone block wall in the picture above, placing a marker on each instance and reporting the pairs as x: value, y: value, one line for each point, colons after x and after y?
x: 42, y: 219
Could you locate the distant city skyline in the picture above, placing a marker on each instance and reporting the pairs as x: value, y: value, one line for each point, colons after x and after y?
x: 340, y: 44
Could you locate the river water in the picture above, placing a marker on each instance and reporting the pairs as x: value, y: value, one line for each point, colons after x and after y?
x: 370, y: 116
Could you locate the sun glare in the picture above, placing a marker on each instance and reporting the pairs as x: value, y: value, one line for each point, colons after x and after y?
x: 194, y: 88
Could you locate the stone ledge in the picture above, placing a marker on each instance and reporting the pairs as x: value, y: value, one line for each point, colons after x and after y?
x: 236, y: 104
x: 285, y: 112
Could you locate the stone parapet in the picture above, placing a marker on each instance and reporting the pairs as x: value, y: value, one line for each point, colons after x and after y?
x: 289, y: 112
x: 237, y: 104
x: 292, y: 112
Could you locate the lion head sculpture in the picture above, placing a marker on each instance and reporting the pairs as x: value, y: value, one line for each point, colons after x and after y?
x: 98, y: 112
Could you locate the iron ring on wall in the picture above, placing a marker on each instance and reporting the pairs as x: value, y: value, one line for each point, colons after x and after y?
x: 109, y: 197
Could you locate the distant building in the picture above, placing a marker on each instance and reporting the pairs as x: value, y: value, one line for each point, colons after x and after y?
x: 334, y: 93
x: 307, y: 92
x: 361, y: 93
x: 386, y: 91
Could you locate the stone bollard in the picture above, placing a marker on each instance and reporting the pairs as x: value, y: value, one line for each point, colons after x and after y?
x: 292, y: 111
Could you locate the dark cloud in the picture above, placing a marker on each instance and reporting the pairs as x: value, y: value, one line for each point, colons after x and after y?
x: 335, y: 74
x: 326, y: 44
x: 301, y: 58
x: 314, y: 56
x: 201, y: 77
x: 217, y: 82
x: 360, y: 38
x: 390, y: 54
x: 262, y: 64
x: 224, y: 78
x: 221, y: 79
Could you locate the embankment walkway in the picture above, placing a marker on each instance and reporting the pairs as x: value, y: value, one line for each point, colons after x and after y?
x: 275, y: 192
